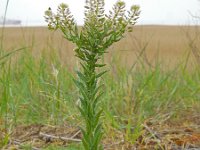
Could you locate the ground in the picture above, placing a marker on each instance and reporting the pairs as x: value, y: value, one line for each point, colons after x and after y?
x: 165, y: 134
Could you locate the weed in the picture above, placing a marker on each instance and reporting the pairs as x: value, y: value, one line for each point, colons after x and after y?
x: 98, y: 33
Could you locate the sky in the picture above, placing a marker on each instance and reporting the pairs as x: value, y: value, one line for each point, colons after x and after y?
x: 168, y: 12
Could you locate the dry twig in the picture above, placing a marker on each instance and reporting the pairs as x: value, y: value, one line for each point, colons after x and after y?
x: 58, y: 137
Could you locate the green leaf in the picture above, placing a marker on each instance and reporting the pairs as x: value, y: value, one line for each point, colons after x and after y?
x: 97, y: 116
x: 82, y: 89
x: 84, y: 103
x: 81, y: 76
x: 97, y: 137
x: 100, y: 65
x: 2, y: 58
x: 97, y: 98
x: 78, y: 84
x: 101, y: 73
x: 96, y: 90
x: 85, y: 68
x: 85, y: 139
x: 82, y: 111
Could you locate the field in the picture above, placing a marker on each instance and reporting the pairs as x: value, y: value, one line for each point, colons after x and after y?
x: 169, y: 44
x: 152, y: 90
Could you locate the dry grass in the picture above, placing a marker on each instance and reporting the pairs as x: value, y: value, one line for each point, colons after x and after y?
x: 168, y: 43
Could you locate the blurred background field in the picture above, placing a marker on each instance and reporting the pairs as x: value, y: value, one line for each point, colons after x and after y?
x: 169, y: 44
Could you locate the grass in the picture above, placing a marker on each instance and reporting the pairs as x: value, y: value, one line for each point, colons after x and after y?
x: 37, y: 87
x: 169, y: 43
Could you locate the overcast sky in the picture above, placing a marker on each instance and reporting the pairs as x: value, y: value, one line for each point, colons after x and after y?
x: 153, y: 11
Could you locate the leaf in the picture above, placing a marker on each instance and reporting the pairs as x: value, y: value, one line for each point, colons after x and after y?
x: 96, y: 90
x: 84, y: 103
x: 98, y: 97
x: 97, y: 136
x: 81, y: 76
x: 82, y: 89
x: 97, y: 116
x: 84, y: 94
x: 85, y: 139
x: 85, y: 68
x: 81, y: 57
x: 100, y: 65
x: 9, y: 54
x: 81, y: 111
x: 85, y: 144
x: 78, y: 84
x: 101, y: 73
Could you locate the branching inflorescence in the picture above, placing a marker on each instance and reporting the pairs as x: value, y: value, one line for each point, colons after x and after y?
x: 98, y: 33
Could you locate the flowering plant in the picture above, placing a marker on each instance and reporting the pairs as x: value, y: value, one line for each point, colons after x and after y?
x: 98, y: 33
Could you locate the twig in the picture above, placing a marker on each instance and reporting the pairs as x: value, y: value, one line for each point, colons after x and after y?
x: 154, y: 135
x: 73, y: 136
x: 151, y: 132
x: 59, y: 137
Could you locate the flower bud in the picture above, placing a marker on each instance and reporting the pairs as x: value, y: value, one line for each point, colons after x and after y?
x: 120, y: 4
x: 63, y: 6
x: 135, y: 8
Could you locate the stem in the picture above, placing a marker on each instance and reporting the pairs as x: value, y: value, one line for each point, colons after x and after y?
x: 4, y: 21
x: 91, y: 113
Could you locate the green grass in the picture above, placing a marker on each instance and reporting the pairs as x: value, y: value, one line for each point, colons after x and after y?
x: 39, y: 95
x: 32, y: 94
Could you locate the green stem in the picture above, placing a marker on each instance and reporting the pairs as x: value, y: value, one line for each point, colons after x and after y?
x: 91, y: 113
